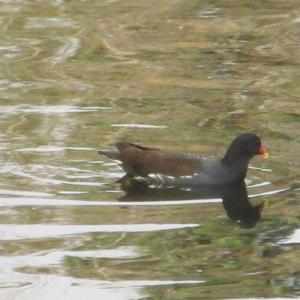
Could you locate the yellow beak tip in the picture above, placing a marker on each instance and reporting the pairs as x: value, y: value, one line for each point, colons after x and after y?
x: 266, y: 155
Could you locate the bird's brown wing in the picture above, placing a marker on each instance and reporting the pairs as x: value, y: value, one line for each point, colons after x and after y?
x: 141, y: 161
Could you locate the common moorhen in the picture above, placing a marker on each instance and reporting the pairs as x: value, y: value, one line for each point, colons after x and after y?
x: 184, y: 169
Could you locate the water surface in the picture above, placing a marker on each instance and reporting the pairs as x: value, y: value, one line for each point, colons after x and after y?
x: 76, y: 76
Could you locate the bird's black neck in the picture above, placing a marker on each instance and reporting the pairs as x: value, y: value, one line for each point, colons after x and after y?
x: 235, y: 154
x: 236, y: 161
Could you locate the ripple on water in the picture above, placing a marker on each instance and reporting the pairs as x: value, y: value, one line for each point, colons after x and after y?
x: 24, y: 200
x: 54, y: 149
x: 62, y: 202
x: 20, y: 286
x: 138, y: 126
x: 42, y: 175
x: 293, y: 238
x: 8, y: 50
x: 24, y: 193
x: 10, y: 232
x: 69, y: 49
x: 40, y: 259
x: 49, y: 287
x: 49, y: 109
x: 53, y: 22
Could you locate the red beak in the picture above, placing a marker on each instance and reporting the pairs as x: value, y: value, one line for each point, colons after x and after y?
x: 263, y: 151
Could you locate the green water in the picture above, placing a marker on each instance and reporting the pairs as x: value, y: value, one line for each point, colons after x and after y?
x: 77, y: 76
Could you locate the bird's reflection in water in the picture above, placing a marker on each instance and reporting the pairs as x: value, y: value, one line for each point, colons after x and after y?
x: 234, y: 198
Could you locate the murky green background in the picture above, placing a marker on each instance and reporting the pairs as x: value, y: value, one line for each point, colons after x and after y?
x: 76, y: 76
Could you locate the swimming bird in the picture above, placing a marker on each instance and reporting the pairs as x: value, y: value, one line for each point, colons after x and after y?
x: 184, y: 169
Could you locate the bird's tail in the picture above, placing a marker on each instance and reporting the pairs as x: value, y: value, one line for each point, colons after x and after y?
x: 110, y: 154
x: 116, y: 155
